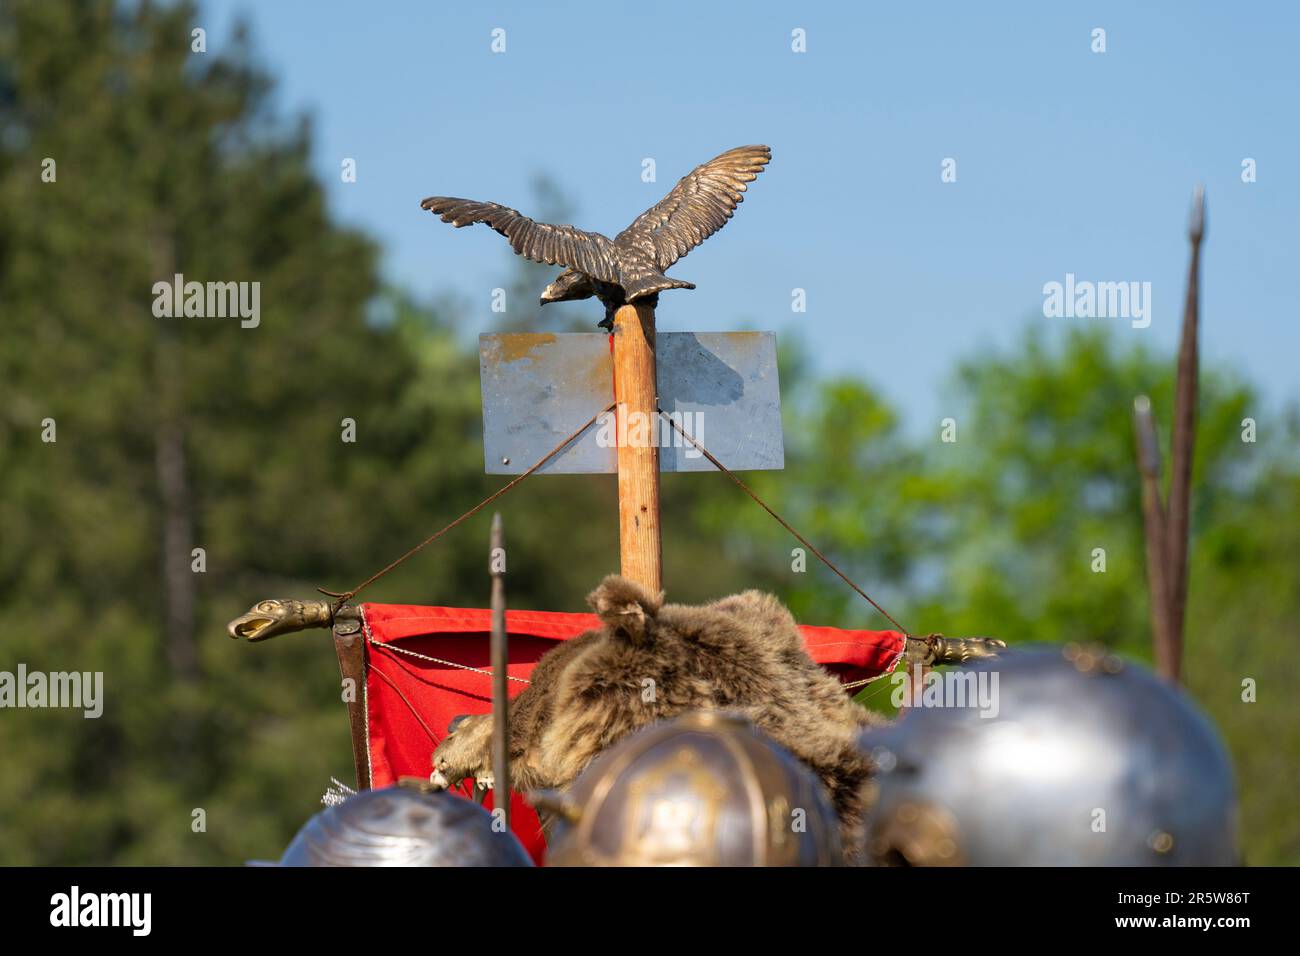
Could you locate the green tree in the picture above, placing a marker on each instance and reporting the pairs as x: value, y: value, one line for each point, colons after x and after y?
x: 183, y: 433
x: 1040, y: 523
x: 171, y: 433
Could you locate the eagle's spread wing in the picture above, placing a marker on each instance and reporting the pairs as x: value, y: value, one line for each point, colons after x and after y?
x: 699, y: 205
x: 588, y: 252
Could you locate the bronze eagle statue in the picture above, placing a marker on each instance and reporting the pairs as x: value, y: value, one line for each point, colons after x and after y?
x: 630, y: 266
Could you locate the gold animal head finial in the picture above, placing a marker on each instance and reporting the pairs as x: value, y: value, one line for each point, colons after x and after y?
x: 276, y: 616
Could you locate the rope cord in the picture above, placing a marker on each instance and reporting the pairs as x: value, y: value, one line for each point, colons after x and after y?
x: 342, y: 597
x: 781, y: 521
x: 854, y: 684
x: 439, y: 660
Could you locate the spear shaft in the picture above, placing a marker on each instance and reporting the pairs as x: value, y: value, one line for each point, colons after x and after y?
x: 1177, y: 530
x: 500, y: 675
x: 1154, y: 527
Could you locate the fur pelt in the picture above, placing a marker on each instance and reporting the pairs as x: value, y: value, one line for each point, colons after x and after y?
x: 743, y: 654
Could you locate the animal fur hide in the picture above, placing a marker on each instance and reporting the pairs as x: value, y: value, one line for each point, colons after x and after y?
x: 743, y: 653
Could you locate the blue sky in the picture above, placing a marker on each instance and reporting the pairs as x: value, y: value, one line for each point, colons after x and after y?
x: 1067, y: 160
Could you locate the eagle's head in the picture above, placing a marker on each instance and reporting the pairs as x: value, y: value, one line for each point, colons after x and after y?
x: 569, y: 285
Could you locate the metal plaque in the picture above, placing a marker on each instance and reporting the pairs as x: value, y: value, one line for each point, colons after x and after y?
x: 720, y: 387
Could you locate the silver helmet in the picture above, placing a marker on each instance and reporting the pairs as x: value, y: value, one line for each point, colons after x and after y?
x: 404, y: 825
x: 705, y: 789
x: 1074, y: 759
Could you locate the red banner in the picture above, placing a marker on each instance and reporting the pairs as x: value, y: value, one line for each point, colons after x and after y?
x: 426, y: 665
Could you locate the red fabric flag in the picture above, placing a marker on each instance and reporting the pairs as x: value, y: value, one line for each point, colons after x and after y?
x: 417, y: 679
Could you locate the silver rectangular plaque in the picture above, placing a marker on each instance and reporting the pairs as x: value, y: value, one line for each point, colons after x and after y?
x: 720, y: 387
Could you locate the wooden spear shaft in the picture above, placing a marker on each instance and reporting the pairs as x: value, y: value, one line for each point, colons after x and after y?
x: 1153, y: 516
x: 500, y: 663
x: 636, y: 394
x: 1178, y: 527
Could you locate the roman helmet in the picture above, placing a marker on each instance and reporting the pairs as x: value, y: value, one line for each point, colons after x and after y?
x: 705, y: 789
x: 1061, y: 757
x: 404, y: 825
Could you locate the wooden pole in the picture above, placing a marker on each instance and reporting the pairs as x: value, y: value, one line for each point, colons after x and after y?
x: 1178, y: 528
x: 1154, y: 529
x: 350, y: 646
x: 500, y: 663
x: 635, y: 391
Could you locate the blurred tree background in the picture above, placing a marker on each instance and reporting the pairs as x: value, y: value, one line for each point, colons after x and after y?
x: 177, y: 434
